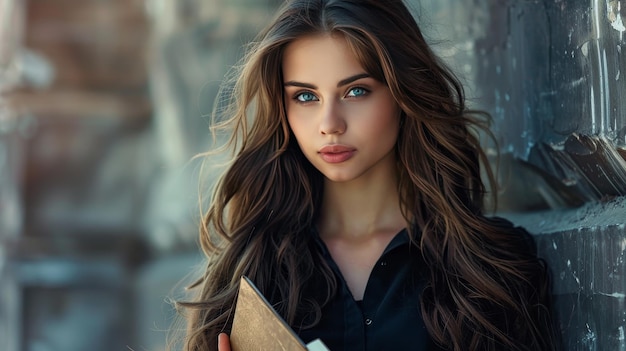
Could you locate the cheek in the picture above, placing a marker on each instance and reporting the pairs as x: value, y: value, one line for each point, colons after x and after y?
x: 291, y: 123
x: 297, y: 129
x: 381, y: 120
x: 300, y: 121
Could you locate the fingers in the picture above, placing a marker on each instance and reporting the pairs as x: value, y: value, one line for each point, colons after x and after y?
x: 223, y: 342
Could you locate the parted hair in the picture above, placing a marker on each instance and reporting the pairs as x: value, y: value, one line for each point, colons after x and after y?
x: 486, y: 289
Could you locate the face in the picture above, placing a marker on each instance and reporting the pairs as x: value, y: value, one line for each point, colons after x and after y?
x: 346, y: 122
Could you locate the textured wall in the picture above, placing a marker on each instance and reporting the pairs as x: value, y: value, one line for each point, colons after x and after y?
x: 551, y: 73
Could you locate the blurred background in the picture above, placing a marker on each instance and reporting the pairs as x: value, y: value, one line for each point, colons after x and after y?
x: 104, y: 103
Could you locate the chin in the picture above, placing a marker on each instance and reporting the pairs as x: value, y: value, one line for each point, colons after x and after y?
x: 338, y: 178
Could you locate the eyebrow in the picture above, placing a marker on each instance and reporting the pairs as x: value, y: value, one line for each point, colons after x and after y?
x: 341, y: 83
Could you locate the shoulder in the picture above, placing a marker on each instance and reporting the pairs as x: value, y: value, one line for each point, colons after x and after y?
x: 504, y: 223
x: 513, y: 235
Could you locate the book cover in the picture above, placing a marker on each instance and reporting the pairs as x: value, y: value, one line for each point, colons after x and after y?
x: 257, y: 325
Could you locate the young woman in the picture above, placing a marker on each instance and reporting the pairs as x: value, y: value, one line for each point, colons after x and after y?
x: 354, y: 198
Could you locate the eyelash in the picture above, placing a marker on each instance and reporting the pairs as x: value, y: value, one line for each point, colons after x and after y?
x: 300, y: 94
x: 365, y: 91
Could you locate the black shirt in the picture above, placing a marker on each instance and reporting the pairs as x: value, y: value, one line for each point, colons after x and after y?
x: 388, y: 317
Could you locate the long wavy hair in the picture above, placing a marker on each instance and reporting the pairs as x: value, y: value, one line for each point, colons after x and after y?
x: 486, y: 289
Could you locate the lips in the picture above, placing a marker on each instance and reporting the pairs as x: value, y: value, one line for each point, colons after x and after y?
x: 336, y: 153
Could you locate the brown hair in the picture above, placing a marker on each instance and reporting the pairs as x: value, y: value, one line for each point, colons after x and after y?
x: 486, y: 288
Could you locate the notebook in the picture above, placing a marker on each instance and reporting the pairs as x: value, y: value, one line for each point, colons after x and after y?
x: 257, y: 325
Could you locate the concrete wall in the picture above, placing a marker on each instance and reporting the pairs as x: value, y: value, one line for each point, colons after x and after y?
x: 551, y: 74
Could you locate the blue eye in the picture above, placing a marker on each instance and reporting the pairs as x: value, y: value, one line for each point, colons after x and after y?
x: 306, y: 97
x: 356, y: 92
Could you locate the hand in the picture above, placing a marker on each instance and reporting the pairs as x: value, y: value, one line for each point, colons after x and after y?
x: 223, y: 342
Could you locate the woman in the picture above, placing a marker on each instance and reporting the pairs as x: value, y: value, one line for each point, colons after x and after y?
x: 354, y: 198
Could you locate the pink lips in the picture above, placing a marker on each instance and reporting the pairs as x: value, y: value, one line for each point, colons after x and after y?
x: 336, y: 153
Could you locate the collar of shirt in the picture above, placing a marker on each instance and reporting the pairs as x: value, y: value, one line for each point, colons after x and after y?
x: 389, y: 316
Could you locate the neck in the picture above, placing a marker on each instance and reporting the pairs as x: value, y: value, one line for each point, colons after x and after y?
x: 361, y: 207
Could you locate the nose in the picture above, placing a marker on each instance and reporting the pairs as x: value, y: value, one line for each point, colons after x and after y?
x: 332, y: 121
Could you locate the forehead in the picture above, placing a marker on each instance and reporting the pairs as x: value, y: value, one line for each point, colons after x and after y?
x: 320, y: 58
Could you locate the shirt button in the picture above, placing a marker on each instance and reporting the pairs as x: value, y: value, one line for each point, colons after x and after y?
x: 368, y: 321
x: 383, y: 263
